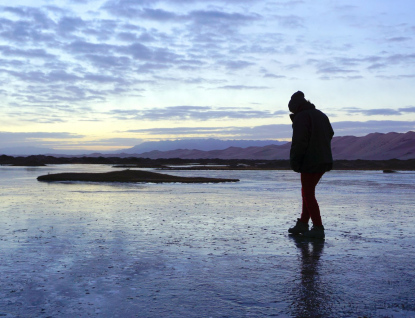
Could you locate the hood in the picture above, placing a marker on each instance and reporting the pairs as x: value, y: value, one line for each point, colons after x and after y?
x: 305, y: 106
x: 296, y: 102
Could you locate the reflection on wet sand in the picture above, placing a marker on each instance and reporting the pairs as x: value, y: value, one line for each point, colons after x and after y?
x: 310, y: 293
x: 204, y: 250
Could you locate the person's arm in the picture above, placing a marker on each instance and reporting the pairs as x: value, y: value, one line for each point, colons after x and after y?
x: 300, y: 141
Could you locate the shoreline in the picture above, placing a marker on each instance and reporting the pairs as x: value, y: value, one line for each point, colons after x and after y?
x: 202, y: 164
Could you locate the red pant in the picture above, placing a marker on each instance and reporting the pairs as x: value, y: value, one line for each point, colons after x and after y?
x: 310, y: 206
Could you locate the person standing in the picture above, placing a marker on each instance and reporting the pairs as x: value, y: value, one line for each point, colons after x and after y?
x: 311, y: 156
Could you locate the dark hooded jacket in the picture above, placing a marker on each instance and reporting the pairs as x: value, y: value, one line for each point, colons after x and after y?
x: 311, y: 140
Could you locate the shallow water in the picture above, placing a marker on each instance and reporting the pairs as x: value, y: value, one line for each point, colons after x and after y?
x: 205, y: 250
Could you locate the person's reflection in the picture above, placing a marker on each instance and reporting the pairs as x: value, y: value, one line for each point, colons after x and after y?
x: 311, y: 297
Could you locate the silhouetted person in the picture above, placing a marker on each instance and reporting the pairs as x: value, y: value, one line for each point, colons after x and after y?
x: 311, y: 156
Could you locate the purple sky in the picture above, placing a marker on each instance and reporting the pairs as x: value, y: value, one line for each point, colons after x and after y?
x: 109, y: 74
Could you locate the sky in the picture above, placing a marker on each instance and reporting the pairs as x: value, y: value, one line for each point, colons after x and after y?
x: 110, y: 74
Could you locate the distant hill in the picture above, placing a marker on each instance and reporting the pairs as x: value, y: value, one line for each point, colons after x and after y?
x: 267, y: 152
x: 164, y: 145
x: 199, y: 144
x: 374, y: 146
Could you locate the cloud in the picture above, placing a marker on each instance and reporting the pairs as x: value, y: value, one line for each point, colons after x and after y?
x: 104, y: 79
x: 144, y: 36
x: 357, y: 128
x: 145, y: 3
x: 408, y: 109
x: 143, y: 8
x: 37, y: 117
x: 236, y: 65
x: 345, y: 7
x: 51, y: 46
x: 373, y: 112
x: 56, y: 59
x: 399, y: 39
x: 131, y: 8
x: 143, y: 53
x: 83, y: 47
x: 28, y: 53
x: 38, y: 18
x: 109, y: 61
x: 277, y: 131
x: 264, y: 46
x: 32, y: 27
x: 35, y: 139
x: 199, y: 113
x: 153, y: 68
x: 331, y: 69
x: 11, y: 63
x: 347, y: 78
x: 217, y: 28
x: 70, y: 24
x: 270, y: 75
x: 126, y: 8
x: 160, y: 15
x: 339, y: 67
x: 117, y: 142
x: 290, y: 21
x: 178, y: 130
x: 401, y: 59
x: 62, y: 76
x: 80, y: 1
x: 379, y: 111
x: 242, y: 87
x: 396, y: 77
x: 52, y: 102
x: 213, y: 17
x: 258, y: 132
x: 377, y: 66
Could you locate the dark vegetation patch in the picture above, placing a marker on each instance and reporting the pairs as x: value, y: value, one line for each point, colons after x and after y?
x: 128, y: 176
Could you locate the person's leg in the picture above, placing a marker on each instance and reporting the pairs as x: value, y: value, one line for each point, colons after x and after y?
x: 310, y: 206
x: 305, y: 215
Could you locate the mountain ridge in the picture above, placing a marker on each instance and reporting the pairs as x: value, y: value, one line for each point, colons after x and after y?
x: 163, y: 145
x: 374, y: 146
x: 199, y: 144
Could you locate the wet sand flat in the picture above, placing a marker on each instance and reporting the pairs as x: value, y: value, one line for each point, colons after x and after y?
x: 205, y: 250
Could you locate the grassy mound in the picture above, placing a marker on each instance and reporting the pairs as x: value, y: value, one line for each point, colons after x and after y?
x: 128, y: 176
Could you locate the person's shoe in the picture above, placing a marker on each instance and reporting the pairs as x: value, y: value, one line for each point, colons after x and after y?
x: 299, y: 228
x: 315, y: 232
